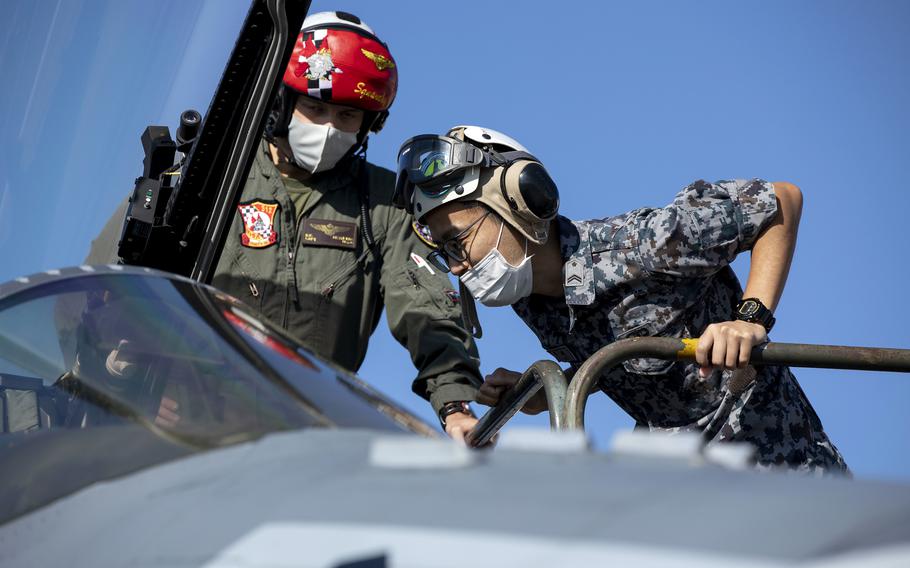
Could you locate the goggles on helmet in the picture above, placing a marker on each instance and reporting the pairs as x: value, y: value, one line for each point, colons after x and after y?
x: 436, y: 164
x: 430, y: 156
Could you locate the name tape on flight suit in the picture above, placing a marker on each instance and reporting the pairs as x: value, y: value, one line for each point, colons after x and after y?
x: 320, y: 232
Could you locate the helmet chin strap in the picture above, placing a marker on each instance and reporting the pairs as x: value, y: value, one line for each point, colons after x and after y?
x: 469, y: 312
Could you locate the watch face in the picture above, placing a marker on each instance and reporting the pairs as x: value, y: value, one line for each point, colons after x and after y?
x: 748, y: 308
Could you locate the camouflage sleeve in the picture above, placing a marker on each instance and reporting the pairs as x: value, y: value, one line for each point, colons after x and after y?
x: 706, y: 226
x: 424, y: 315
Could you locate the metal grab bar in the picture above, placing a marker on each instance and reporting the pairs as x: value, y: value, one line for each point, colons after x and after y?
x: 567, y: 405
x: 671, y: 349
x: 542, y: 373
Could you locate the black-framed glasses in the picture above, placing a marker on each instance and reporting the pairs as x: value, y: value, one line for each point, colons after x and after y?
x: 453, y: 247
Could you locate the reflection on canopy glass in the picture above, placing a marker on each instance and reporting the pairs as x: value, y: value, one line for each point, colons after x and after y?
x: 103, y: 350
x: 106, y: 371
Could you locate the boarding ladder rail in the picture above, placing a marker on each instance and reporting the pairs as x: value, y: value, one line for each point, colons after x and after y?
x: 567, y: 400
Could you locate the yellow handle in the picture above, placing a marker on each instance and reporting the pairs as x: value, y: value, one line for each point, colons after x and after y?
x: 688, y: 350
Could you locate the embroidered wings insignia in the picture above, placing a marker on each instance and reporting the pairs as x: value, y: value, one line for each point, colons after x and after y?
x: 328, y: 228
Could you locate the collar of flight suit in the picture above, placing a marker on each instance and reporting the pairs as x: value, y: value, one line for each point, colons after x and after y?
x: 331, y: 180
x: 578, y: 269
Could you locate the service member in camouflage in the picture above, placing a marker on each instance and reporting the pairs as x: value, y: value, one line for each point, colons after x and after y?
x: 316, y: 245
x: 649, y: 272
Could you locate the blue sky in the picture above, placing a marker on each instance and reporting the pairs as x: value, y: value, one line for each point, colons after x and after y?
x: 625, y: 103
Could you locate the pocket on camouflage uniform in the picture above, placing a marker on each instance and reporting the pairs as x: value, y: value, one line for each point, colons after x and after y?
x: 645, y: 366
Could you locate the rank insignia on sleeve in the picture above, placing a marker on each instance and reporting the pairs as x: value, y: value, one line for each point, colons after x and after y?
x: 575, y: 273
x: 423, y: 233
x: 259, y: 223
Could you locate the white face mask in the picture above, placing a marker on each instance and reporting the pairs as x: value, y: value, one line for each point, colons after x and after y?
x: 494, y: 282
x: 318, y: 147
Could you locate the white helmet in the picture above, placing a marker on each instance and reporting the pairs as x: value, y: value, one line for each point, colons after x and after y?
x: 480, y: 164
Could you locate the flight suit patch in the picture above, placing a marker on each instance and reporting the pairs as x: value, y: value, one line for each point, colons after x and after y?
x: 259, y: 223
x: 453, y: 297
x: 423, y: 233
x: 320, y: 232
x: 421, y: 262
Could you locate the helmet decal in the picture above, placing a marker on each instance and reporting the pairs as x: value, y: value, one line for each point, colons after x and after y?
x: 319, y: 65
x: 382, y: 62
x: 362, y: 90
x: 341, y: 62
x: 316, y: 65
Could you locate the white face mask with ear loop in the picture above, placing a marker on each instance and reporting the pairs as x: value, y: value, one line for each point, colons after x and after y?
x: 494, y: 282
x: 318, y: 147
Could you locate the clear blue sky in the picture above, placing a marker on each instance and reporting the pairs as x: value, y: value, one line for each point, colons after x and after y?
x: 625, y: 102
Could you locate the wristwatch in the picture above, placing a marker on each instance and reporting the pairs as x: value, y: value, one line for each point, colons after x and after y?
x: 752, y: 310
x: 451, y: 408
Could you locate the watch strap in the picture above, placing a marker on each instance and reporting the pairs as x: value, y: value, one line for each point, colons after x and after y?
x: 452, y: 407
x: 754, y: 311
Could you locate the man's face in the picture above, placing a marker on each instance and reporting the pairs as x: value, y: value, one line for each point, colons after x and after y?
x: 473, y: 229
x: 313, y: 111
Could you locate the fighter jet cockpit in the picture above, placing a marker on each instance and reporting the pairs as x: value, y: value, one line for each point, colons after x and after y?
x: 116, y: 369
x: 108, y: 349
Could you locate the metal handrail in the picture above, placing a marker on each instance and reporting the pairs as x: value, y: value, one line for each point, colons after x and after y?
x: 570, y: 414
x: 671, y: 349
x: 543, y: 373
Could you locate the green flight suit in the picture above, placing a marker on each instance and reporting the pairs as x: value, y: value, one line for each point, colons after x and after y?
x: 328, y: 292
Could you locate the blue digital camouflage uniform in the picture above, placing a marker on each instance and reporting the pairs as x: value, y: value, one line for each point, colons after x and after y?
x: 665, y: 272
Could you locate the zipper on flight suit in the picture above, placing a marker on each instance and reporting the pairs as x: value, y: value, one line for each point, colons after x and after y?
x: 328, y: 290
x: 251, y: 284
x: 337, y: 278
x: 292, y: 248
x: 342, y: 274
x: 293, y: 269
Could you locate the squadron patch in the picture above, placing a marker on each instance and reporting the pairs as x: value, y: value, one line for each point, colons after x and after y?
x: 423, y: 233
x: 258, y: 223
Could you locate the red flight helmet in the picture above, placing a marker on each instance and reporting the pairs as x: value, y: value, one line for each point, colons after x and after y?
x: 338, y: 59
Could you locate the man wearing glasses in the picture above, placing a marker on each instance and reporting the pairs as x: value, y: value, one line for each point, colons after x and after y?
x: 492, y: 208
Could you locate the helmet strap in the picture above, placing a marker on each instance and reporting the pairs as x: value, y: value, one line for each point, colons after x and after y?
x: 279, y: 117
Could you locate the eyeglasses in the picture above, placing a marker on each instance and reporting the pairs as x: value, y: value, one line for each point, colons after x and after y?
x: 453, y: 247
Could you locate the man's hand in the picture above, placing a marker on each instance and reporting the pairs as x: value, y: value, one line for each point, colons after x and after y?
x: 499, y: 381
x: 458, y: 424
x: 727, y: 345
x: 167, y: 413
